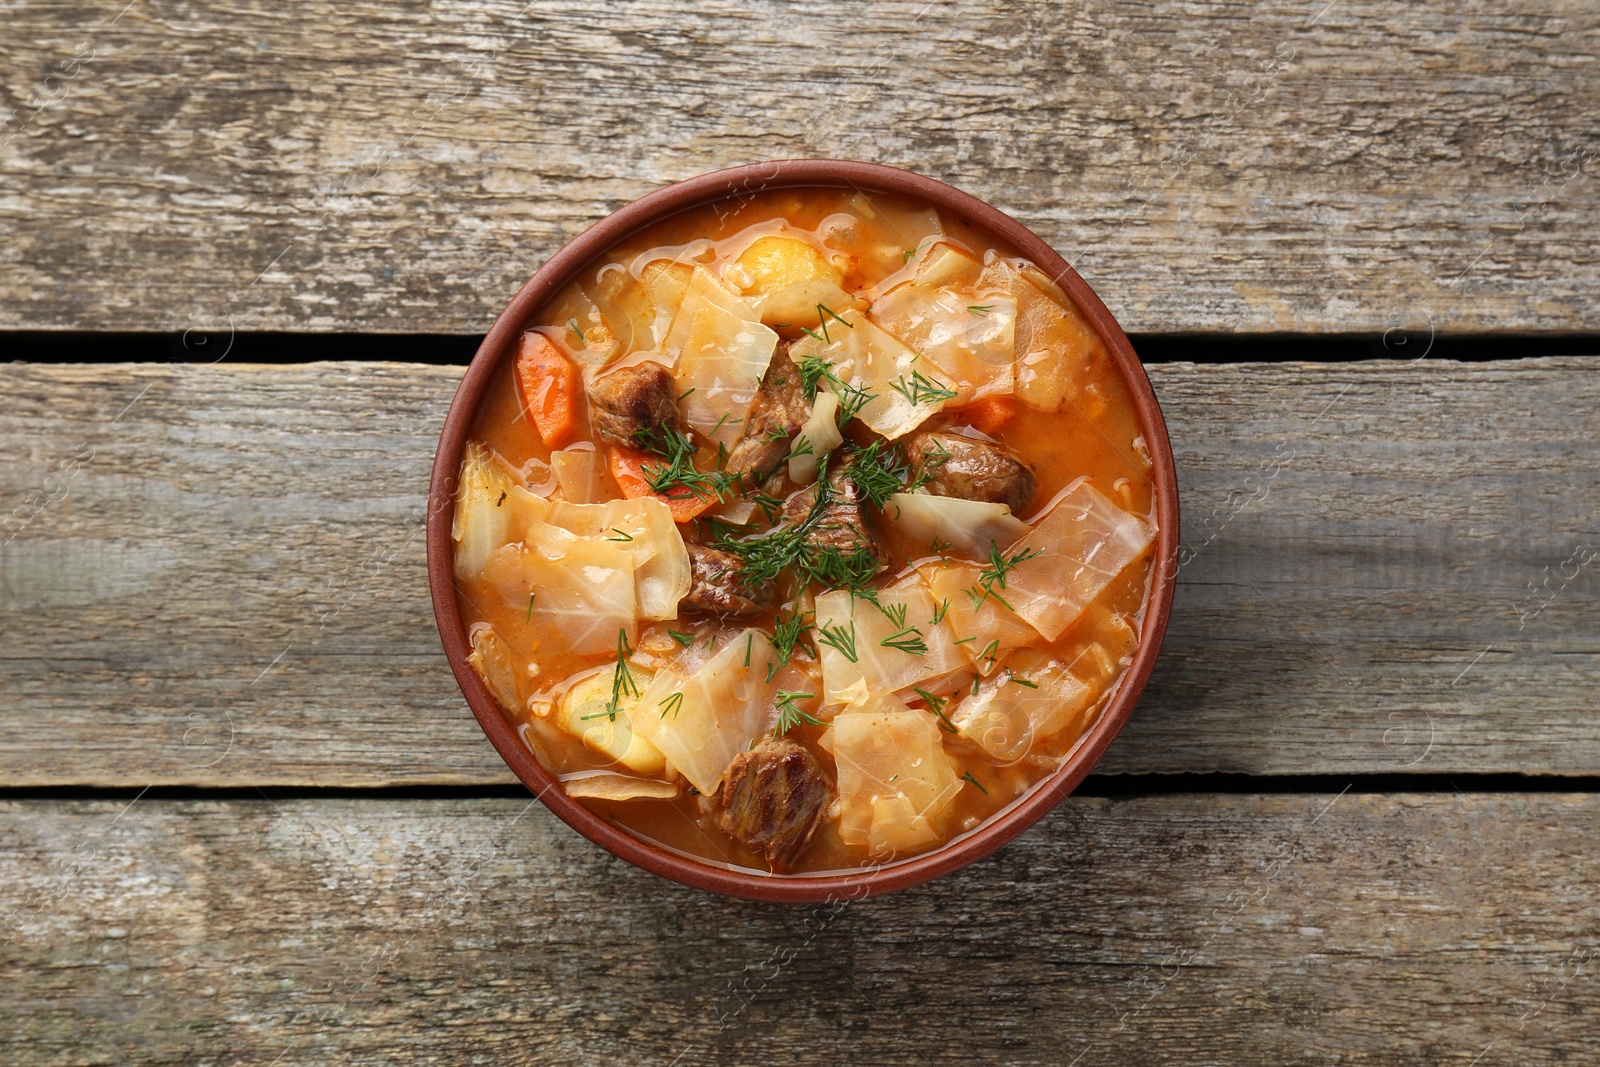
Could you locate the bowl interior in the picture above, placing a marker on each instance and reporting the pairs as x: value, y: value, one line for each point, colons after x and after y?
x: 501, y: 343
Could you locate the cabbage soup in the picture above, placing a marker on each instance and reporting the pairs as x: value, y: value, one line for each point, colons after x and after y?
x: 807, y: 531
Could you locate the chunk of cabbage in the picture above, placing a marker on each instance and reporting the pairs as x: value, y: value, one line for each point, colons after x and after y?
x: 606, y: 785
x: 1082, y: 542
x: 972, y: 526
x: 970, y: 338
x: 492, y: 509
x: 702, y: 720
x: 986, y: 630
x: 1008, y: 719
x: 1054, y: 344
x: 895, y: 779
x: 644, y: 528
x: 584, y: 713
x: 491, y: 658
x: 843, y: 619
x: 721, y: 351
x: 899, y: 230
x: 578, y: 592
x: 864, y: 356
x: 820, y: 435
x: 577, y: 470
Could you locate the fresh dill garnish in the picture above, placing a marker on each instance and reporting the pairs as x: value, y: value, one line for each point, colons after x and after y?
x: 836, y: 636
x: 770, y: 505
x: 936, y: 705
x: 908, y: 640
x: 974, y: 781
x: 678, y: 477
x: 939, y: 546
x: 814, y: 370
x: 621, y: 535
x: 824, y: 313
x: 879, y: 471
x: 1020, y: 681
x: 749, y: 646
x: 994, y: 573
x: 684, y: 639
x: 720, y: 424
x: 964, y: 640
x: 787, y: 632
x: 930, y: 462
x: 685, y: 394
x: 672, y: 703
x: 530, y: 607
x: 790, y: 716
x: 980, y: 310
x: 572, y: 324
x: 921, y: 389
x: 895, y: 613
x: 622, y: 683
x: 905, y: 257
x: 766, y: 556
x: 802, y: 447
x: 990, y: 650
x: 939, y: 612
x: 834, y: 568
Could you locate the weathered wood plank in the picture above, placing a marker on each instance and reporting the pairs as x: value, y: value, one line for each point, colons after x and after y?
x: 231, y: 589
x: 1227, y: 166
x: 1354, y: 929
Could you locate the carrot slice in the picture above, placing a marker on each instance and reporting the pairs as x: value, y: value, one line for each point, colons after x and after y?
x: 988, y: 414
x: 628, y: 468
x: 549, y: 384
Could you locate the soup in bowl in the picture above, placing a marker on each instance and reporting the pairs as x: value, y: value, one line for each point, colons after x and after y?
x: 803, y: 532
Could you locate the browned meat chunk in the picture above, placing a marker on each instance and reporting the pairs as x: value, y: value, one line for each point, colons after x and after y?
x: 779, y: 410
x: 841, y: 524
x: 633, y: 406
x: 970, y: 469
x: 716, y: 585
x: 774, y: 799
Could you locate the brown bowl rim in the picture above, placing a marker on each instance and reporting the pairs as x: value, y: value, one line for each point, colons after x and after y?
x: 595, y: 241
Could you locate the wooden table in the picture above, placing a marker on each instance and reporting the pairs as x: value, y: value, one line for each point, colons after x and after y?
x: 248, y: 818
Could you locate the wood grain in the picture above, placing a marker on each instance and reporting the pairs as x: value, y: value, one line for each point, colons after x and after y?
x: 231, y: 589
x: 1285, y: 930
x: 1227, y: 166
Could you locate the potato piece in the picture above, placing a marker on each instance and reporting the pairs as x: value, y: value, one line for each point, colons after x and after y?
x: 789, y: 278
x: 583, y: 715
x: 775, y: 263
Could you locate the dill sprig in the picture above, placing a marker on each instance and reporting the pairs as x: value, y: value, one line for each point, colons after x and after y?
x: 672, y: 703
x: 814, y: 370
x: 994, y: 573
x: 921, y: 389
x: 790, y: 716
x: 788, y: 633
x: 974, y: 781
x: 837, y: 637
x: 879, y: 471
x: 622, y: 535
x: 678, y: 477
x: 530, y: 607
x: 936, y: 704
x: 980, y: 310
x: 908, y: 640
x: 680, y: 636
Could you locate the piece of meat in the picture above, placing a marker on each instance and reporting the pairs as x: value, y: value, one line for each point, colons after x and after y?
x: 970, y: 469
x: 773, y: 800
x: 841, y: 524
x: 633, y: 406
x: 716, y: 585
x: 778, y: 411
